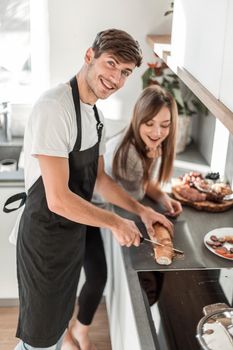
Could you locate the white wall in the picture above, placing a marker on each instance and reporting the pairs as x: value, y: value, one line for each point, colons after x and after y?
x: 226, y: 94
x: 73, y: 25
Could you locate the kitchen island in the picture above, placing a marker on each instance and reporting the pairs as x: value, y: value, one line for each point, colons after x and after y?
x: 132, y: 322
x: 10, y: 184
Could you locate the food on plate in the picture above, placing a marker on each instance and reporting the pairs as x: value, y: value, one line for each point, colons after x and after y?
x: 202, y: 186
x: 213, y: 176
x: 163, y: 255
x: 218, y: 191
x: 218, y: 244
x: 214, y: 197
x: 221, y: 188
x: 221, y: 250
x: 190, y: 178
x: 214, y: 238
x: 228, y: 239
x: 214, y: 244
x: 191, y: 194
x: 194, y: 187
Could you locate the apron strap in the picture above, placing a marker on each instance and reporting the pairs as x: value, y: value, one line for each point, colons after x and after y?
x: 99, y: 125
x: 76, y: 99
x: 13, y: 199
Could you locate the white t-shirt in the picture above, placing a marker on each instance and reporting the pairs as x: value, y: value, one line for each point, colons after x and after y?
x: 52, y: 130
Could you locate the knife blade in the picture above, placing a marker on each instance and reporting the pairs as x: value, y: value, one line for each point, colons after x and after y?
x: 142, y: 239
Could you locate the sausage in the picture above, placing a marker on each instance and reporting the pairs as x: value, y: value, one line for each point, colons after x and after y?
x: 214, y: 244
x: 192, y: 194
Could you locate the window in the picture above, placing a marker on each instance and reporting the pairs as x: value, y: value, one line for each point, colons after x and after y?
x: 15, y: 58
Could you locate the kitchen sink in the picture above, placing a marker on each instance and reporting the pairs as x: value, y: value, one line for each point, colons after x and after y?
x: 10, y: 151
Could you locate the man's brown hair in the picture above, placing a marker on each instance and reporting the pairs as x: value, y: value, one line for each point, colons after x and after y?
x: 119, y: 43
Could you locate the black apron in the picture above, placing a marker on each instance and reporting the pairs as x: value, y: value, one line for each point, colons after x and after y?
x: 50, y: 249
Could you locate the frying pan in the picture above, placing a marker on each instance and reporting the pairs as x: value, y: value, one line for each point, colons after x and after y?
x: 215, y: 329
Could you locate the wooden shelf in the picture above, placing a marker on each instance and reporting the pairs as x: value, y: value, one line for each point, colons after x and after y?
x: 161, y: 46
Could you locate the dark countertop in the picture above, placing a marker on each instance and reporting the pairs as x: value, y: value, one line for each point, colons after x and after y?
x: 12, y: 177
x: 11, y: 149
x: 190, y: 229
x: 199, y: 224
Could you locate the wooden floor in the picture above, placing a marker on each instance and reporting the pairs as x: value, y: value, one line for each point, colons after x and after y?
x: 8, y: 320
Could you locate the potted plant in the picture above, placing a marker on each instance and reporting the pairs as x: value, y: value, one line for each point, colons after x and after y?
x: 187, y: 103
x: 170, y: 11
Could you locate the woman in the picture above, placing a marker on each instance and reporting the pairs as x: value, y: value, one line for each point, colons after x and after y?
x: 140, y: 161
x: 143, y: 160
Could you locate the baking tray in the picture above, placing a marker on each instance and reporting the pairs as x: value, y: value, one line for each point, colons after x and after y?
x: 142, y: 257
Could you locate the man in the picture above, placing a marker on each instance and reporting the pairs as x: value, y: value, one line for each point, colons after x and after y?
x: 63, y: 162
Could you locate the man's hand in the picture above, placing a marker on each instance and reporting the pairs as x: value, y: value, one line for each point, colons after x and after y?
x: 126, y: 233
x: 150, y: 217
x: 173, y: 208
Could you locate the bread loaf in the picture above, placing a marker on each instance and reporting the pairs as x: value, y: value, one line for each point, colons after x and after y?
x: 163, y: 255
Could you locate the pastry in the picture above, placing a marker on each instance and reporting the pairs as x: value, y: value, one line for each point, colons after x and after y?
x: 163, y: 255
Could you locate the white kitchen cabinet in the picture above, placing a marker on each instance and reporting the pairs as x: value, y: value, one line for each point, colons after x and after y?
x: 9, y: 289
x: 123, y: 329
x: 226, y: 91
x: 198, y: 39
x: 202, y: 52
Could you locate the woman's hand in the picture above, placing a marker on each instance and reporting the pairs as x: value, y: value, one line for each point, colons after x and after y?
x: 150, y: 217
x: 173, y: 208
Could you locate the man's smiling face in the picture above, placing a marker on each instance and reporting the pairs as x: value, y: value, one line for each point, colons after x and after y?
x: 106, y: 74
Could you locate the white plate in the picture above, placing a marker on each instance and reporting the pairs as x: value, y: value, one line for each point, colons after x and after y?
x: 219, y: 232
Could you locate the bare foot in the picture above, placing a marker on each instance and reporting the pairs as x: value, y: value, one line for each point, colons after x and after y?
x: 80, y: 333
x: 68, y: 343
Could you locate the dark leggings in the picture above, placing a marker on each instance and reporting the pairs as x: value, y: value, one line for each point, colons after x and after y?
x: 96, y: 276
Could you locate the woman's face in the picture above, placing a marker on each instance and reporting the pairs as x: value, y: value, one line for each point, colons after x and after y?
x: 155, y: 130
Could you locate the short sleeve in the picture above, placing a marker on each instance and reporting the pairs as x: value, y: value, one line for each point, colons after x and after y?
x: 51, y: 129
x: 132, y: 179
x: 134, y: 169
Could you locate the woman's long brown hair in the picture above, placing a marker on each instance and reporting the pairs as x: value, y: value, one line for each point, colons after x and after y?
x: 148, y: 105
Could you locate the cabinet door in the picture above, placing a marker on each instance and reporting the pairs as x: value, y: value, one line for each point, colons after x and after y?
x: 198, y: 39
x: 123, y: 329
x: 9, y: 287
x: 226, y: 90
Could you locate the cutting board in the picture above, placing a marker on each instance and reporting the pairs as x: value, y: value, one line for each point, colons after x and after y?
x: 205, y: 205
x: 142, y: 257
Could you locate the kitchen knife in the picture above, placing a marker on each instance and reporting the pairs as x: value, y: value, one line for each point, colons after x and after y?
x: 142, y: 239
